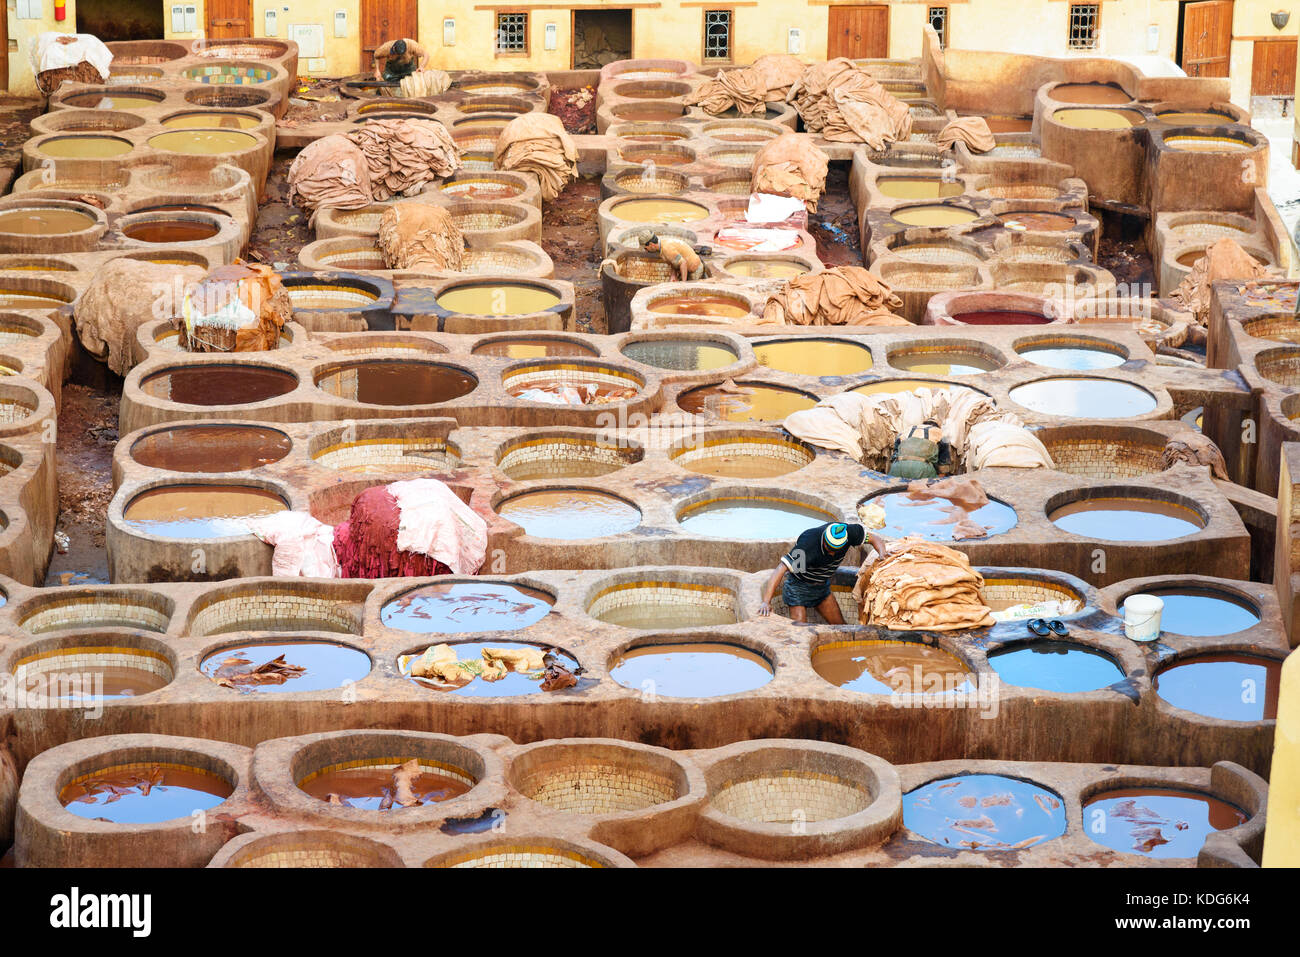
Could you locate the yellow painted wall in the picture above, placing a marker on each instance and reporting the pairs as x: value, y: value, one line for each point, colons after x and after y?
x: 1282, y: 833
x: 21, y: 79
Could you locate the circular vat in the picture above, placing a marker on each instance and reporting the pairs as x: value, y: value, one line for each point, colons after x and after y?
x: 84, y: 146
x: 532, y: 347
x: 785, y: 785
x: 1188, y: 258
x: 570, y: 513
x: 489, y: 669
x: 228, y: 97
x: 1224, y: 142
x: 593, y: 778
x: 95, y: 608
x: 934, y: 215
x: 668, y: 602
x: 712, y: 303
x: 148, y: 791
x: 1080, y: 397
x: 270, y: 667
x: 1104, y: 452
x: 371, y: 448
x: 67, y: 672
x: 210, y: 448
x: 394, y: 382
x: 774, y: 267
x: 1120, y: 515
x: 236, y: 74
x: 697, y: 667
x: 682, y: 355
x: 741, y: 131
x: 388, y: 772
x: 572, y: 382
x: 397, y: 105
x: 748, y: 455
x: 532, y: 458
x: 499, y: 299
x: 917, y: 187
x: 984, y: 812
x: 750, y: 516
x: 495, y: 186
x: 1202, y: 611
x: 18, y: 330
x: 530, y: 852
x: 31, y: 264
x: 656, y: 111
x: 650, y: 132
x: 653, y: 89
x: 892, y: 668
x: 745, y: 401
x: 1073, y: 353
x: 937, y: 519
x: 945, y: 357
x: 278, y: 607
x: 350, y: 254
x: 1034, y: 221
x: 308, y: 293
x: 245, y: 47
x: 514, y: 105
x: 213, y: 120
x: 449, y: 608
x: 481, y: 216
x: 124, y: 98
x: 1094, y: 94
x: 90, y: 121
x: 730, y: 182
x: 934, y: 251
x: 665, y: 209
x: 1092, y: 118
x: 299, y: 849
x: 136, y: 52
x: 813, y: 357
x: 502, y: 260
x: 218, y: 384
x: 1158, y: 822
x: 652, y: 180
x: 496, y: 84
x: 1017, y: 597
x: 1228, y: 687
x: 739, y: 156
x: 1280, y: 365
x: 204, y: 142
x: 47, y: 218
x: 199, y: 511
x: 171, y: 227
x: 1062, y: 667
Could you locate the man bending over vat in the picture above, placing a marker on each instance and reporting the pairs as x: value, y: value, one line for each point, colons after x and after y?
x: 677, y: 253
x: 805, y: 572
x: 399, y: 58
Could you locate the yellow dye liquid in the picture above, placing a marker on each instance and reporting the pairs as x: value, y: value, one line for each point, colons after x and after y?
x: 203, y: 142
x: 813, y: 357
x: 1206, y: 144
x: 659, y: 211
x: 766, y: 269
x: 917, y: 187
x: 937, y: 215
x: 48, y: 221
x: 213, y: 120
x: 1088, y: 119
x: 85, y: 147
x: 1194, y: 118
x: 498, y: 300
x: 943, y: 363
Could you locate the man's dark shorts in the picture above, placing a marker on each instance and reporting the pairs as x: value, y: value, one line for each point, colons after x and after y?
x: 797, y: 594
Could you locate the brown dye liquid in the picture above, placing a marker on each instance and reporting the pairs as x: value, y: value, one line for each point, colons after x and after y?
x: 766, y: 269
x: 750, y: 403
x: 813, y: 357
x: 651, y: 138
x: 740, y: 465
x: 214, y: 119
x: 18, y: 299
x: 85, y: 681
x: 739, y: 137
x: 406, y: 383
x: 919, y: 187
x: 937, y: 215
x: 47, y: 221
x: 1088, y: 119
x: 144, y: 794
x: 650, y: 114
x: 604, y: 391
x: 203, y: 142
x: 659, y: 211
x: 85, y: 147
x: 367, y: 787
x: 532, y: 348
x: 658, y: 158
x: 943, y: 363
x: 200, y: 511
x: 211, y: 448
x: 219, y: 385
x: 1096, y: 94
x: 884, y: 667
x: 171, y: 231
x: 1000, y: 317
x: 1050, y: 222
x: 652, y: 93
x: 504, y: 299
x: 481, y: 189
x: 705, y: 305
x: 1009, y: 124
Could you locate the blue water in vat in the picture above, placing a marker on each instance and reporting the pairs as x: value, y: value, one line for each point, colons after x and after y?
x: 1055, y: 666
x: 985, y: 812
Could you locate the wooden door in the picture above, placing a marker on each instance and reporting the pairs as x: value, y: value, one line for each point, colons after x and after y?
x: 229, y: 18
x: 1207, y: 38
x: 384, y: 20
x: 1272, y: 71
x: 859, y: 33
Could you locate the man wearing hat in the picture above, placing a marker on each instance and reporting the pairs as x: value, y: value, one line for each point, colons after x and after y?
x: 805, y: 572
x: 399, y: 58
x: 677, y: 253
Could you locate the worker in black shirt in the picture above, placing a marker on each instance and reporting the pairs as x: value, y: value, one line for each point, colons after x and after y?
x: 805, y: 572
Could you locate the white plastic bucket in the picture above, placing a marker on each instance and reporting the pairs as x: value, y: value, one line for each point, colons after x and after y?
x: 1142, y: 617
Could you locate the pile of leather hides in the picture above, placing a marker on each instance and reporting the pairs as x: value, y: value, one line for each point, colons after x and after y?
x: 844, y: 103
x: 412, y: 528
x: 241, y: 307
x: 921, y: 586
x: 59, y: 58
x: 779, y: 72
x: 842, y: 296
x: 405, y: 156
x: 1196, y: 449
x: 415, y: 234
x: 123, y: 294
x: 791, y: 165
x: 745, y: 89
x: 330, y: 173
x: 1224, y: 260
x: 972, y: 130
x: 425, y: 83
x: 865, y: 427
x: 537, y: 143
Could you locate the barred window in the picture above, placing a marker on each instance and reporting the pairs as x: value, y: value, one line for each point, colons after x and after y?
x: 1084, y: 22
x: 717, y: 34
x: 939, y: 21
x: 512, y: 33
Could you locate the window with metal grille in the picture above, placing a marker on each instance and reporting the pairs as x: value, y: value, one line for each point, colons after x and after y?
x: 939, y: 20
x: 717, y: 34
x: 512, y: 33
x: 1084, y: 22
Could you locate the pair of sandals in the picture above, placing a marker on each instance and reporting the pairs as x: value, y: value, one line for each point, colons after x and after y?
x: 1042, y: 627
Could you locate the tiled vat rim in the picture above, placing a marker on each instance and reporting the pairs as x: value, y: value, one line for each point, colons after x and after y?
x: 281, y: 829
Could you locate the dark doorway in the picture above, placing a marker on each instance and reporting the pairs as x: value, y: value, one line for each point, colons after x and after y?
x: 112, y: 20
x: 600, y: 37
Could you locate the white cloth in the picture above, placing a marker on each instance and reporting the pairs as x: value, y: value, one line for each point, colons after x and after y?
x: 304, y: 545
x: 433, y: 521
x: 47, y: 52
x: 769, y: 208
